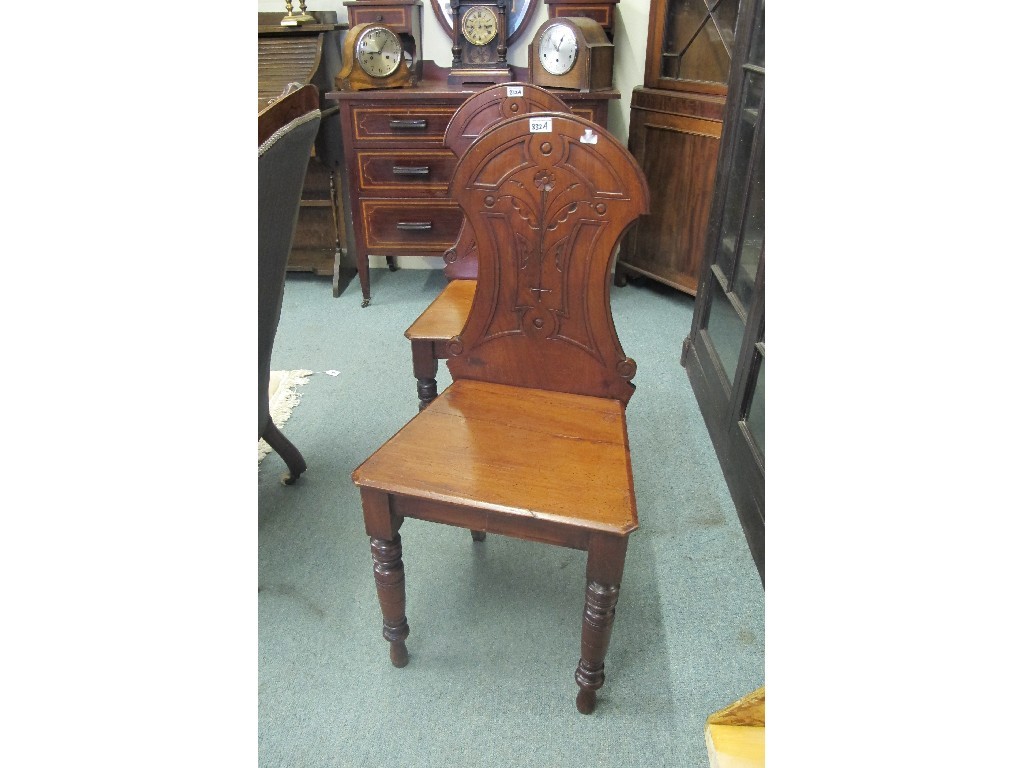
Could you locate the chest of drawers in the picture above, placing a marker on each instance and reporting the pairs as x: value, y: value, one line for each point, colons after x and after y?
x: 397, y: 169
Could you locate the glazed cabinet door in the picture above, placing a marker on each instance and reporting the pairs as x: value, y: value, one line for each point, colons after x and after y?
x: 675, y: 124
x: 724, y: 354
x: 690, y: 44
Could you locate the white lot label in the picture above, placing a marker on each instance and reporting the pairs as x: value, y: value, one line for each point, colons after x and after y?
x: 540, y: 125
x: 513, y: 90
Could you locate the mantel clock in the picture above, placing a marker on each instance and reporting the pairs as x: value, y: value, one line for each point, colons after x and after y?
x: 571, y: 52
x: 372, y: 56
x: 480, y: 42
x: 403, y: 17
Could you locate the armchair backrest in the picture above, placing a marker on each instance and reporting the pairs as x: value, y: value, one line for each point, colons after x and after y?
x: 549, y: 196
x: 287, y: 129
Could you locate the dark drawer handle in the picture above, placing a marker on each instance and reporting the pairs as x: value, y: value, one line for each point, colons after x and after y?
x: 413, y: 125
x: 411, y: 170
x: 415, y: 226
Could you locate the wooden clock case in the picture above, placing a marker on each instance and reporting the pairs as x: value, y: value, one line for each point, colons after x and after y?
x: 484, y: 64
x: 595, y: 55
x: 351, y: 76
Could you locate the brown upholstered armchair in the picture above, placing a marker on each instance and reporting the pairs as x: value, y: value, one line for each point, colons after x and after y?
x: 287, y: 129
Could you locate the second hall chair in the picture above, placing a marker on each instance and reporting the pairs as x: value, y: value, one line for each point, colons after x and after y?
x: 530, y: 438
x: 445, y: 316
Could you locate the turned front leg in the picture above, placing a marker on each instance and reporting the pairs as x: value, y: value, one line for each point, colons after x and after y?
x: 606, y: 557
x: 389, y: 573
x: 598, y: 617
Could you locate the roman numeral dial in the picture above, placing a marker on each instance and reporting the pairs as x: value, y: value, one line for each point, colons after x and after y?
x: 479, y: 25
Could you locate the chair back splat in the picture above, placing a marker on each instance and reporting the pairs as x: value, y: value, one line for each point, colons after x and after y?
x: 479, y: 112
x: 548, y: 208
x: 446, y: 315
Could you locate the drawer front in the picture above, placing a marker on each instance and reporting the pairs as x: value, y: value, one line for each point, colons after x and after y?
x: 599, y: 13
x: 398, y: 125
x: 396, y: 18
x: 405, y: 174
x: 587, y: 113
x: 410, y: 226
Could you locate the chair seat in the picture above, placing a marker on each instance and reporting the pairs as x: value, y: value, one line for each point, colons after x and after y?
x: 446, y: 315
x: 527, y: 453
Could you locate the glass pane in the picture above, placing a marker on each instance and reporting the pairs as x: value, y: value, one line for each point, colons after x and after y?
x: 723, y: 15
x: 736, y: 182
x: 698, y: 41
x: 756, y: 55
x: 755, y: 414
x: 753, y: 237
x: 725, y: 329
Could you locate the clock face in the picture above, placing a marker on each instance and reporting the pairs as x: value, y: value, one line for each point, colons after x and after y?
x: 378, y: 51
x: 557, y: 49
x: 479, y: 25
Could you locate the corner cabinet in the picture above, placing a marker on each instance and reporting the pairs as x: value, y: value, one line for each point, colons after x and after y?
x: 675, y: 124
x: 724, y: 354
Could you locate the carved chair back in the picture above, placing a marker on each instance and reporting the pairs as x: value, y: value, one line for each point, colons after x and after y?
x: 479, y: 112
x: 548, y: 209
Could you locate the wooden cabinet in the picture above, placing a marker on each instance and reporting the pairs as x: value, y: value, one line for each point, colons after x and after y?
x: 674, y: 131
x: 316, y: 246
x: 601, y: 11
x: 397, y: 170
x: 309, y: 53
x: 725, y: 353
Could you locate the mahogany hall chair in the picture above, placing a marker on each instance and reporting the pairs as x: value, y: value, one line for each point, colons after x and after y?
x: 530, y: 438
x: 445, y: 316
x: 287, y: 129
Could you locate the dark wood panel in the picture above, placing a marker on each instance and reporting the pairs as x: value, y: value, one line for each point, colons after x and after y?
x: 696, y: 105
x: 587, y: 113
x: 602, y: 14
x: 424, y: 227
x: 405, y: 174
x: 401, y: 125
x: 668, y: 245
x: 319, y: 231
x: 601, y: 11
x: 397, y: 18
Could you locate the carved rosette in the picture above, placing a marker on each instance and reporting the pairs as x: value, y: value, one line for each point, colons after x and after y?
x: 454, y: 346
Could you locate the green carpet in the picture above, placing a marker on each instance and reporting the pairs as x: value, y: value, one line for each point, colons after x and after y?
x: 495, y: 626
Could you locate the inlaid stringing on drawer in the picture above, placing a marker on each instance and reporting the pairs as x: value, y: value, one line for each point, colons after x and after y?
x: 410, y: 225
x: 425, y: 125
x: 405, y: 173
x: 393, y: 17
